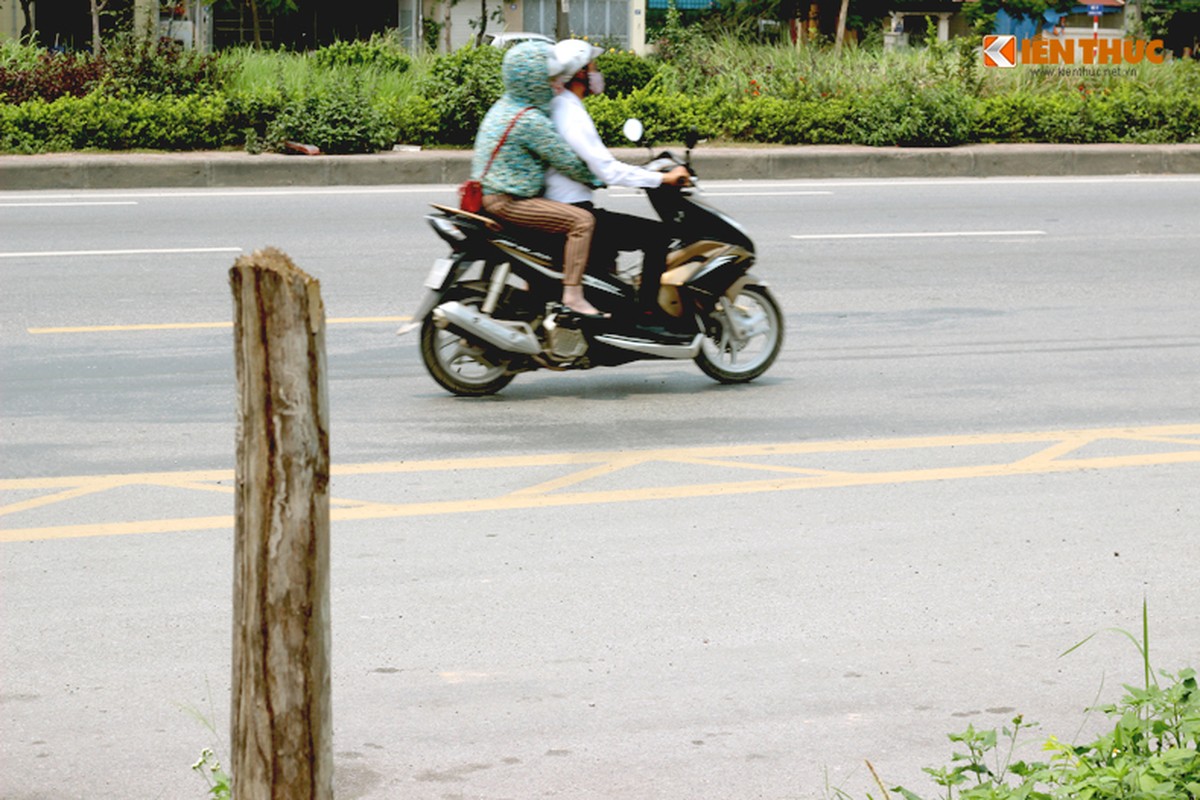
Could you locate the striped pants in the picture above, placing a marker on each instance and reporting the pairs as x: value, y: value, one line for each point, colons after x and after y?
x: 553, y: 217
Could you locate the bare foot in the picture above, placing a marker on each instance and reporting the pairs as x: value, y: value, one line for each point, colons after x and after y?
x: 573, y: 299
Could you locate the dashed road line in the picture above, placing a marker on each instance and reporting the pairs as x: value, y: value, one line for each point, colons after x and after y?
x: 914, y: 235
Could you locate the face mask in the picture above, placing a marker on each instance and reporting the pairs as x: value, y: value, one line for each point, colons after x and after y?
x: 595, y: 82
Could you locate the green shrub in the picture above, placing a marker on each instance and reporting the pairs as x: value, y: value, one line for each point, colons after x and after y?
x: 778, y: 121
x: 910, y: 114
x: 458, y: 89
x: 380, y: 51
x: 134, y: 67
x: 609, y: 113
x: 1007, y: 118
x: 33, y: 127
x: 250, y: 112
x: 340, y: 119
x: 824, y: 122
x: 1133, y: 113
x: 416, y: 121
x: 1061, y: 118
x: 677, y: 42
x: 667, y: 118
x: 47, y: 76
x: 624, y: 71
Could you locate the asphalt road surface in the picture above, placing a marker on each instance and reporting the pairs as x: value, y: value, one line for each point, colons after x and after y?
x: 980, y: 445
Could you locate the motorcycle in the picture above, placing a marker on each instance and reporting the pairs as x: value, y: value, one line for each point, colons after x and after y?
x: 492, y: 310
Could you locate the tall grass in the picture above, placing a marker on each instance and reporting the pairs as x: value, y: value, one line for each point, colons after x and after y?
x: 15, y: 54
x: 735, y: 68
x: 259, y: 73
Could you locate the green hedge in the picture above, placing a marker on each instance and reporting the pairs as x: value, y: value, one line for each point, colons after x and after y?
x: 1126, y: 114
x: 360, y: 97
x: 108, y: 123
x: 348, y: 122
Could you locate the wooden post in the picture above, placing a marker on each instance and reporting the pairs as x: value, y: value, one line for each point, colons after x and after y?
x: 281, y: 729
x: 841, y: 26
x: 145, y: 20
x: 562, y: 19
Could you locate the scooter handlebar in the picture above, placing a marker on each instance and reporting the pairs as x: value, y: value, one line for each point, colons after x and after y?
x: 665, y: 162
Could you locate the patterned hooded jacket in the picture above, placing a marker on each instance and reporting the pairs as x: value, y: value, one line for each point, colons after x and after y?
x: 533, y: 145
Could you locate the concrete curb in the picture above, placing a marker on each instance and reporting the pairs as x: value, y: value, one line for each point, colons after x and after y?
x: 63, y: 171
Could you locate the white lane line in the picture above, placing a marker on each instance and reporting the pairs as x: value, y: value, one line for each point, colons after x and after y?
x: 152, y: 251
x: 66, y: 204
x: 434, y: 188
x: 983, y: 183
x: 185, y: 326
x: 914, y: 235
x: 763, y: 194
x: 719, y: 193
x: 430, y: 188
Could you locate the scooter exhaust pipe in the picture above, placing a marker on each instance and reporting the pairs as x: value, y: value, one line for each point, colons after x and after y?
x: 683, y: 350
x: 510, y: 335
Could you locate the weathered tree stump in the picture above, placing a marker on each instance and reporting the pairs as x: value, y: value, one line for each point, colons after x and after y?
x: 281, y: 729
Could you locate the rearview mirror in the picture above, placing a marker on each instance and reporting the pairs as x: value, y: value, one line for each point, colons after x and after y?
x: 633, y: 130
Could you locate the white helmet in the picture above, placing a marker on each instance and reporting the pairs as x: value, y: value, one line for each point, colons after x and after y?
x: 570, y: 56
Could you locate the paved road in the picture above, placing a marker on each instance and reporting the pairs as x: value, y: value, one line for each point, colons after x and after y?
x: 981, y: 444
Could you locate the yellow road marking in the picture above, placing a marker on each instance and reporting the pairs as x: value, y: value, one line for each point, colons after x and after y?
x: 198, y: 486
x: 1049, y: 453
x: 574, y: 478
x: 1054, y: 451
x: 184, y: 326
x: 58, y: 497
x: 719, y: 462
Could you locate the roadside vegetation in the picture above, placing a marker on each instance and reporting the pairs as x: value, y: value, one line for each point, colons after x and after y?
x: 1150, y: 753
x: 1150, y: 749
x: 364, y: 96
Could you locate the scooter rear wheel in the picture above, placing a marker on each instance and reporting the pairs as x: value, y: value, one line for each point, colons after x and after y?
x: 458, y: 364
x: 744, y: 337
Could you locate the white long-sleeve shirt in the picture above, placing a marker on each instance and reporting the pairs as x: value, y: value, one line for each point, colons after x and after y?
x: 575, y: 125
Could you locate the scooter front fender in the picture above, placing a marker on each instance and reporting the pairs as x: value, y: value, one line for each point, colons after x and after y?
x: 428, y: 303
x: 749, y: 279
x: 442, y: 275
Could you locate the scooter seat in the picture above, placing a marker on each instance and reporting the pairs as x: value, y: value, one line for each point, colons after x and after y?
x: 492, y: 223
x: 539, y: 244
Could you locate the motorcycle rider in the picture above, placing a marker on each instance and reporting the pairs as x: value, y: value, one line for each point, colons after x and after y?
x: 519, y: 140
x: 577, y: 72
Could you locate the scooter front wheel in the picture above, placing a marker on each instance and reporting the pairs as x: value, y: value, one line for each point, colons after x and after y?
x: 744, y: 337
x: 458, y: 364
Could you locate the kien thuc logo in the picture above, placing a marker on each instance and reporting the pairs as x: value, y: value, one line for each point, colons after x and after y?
x: 1003, y: 51
x: 999, y: 51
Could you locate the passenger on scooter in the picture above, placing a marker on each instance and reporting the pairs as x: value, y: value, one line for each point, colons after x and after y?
x: 520, y: 142
x: 614, y: 231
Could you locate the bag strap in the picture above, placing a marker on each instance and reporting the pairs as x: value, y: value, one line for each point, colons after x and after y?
x: 502, y: 140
